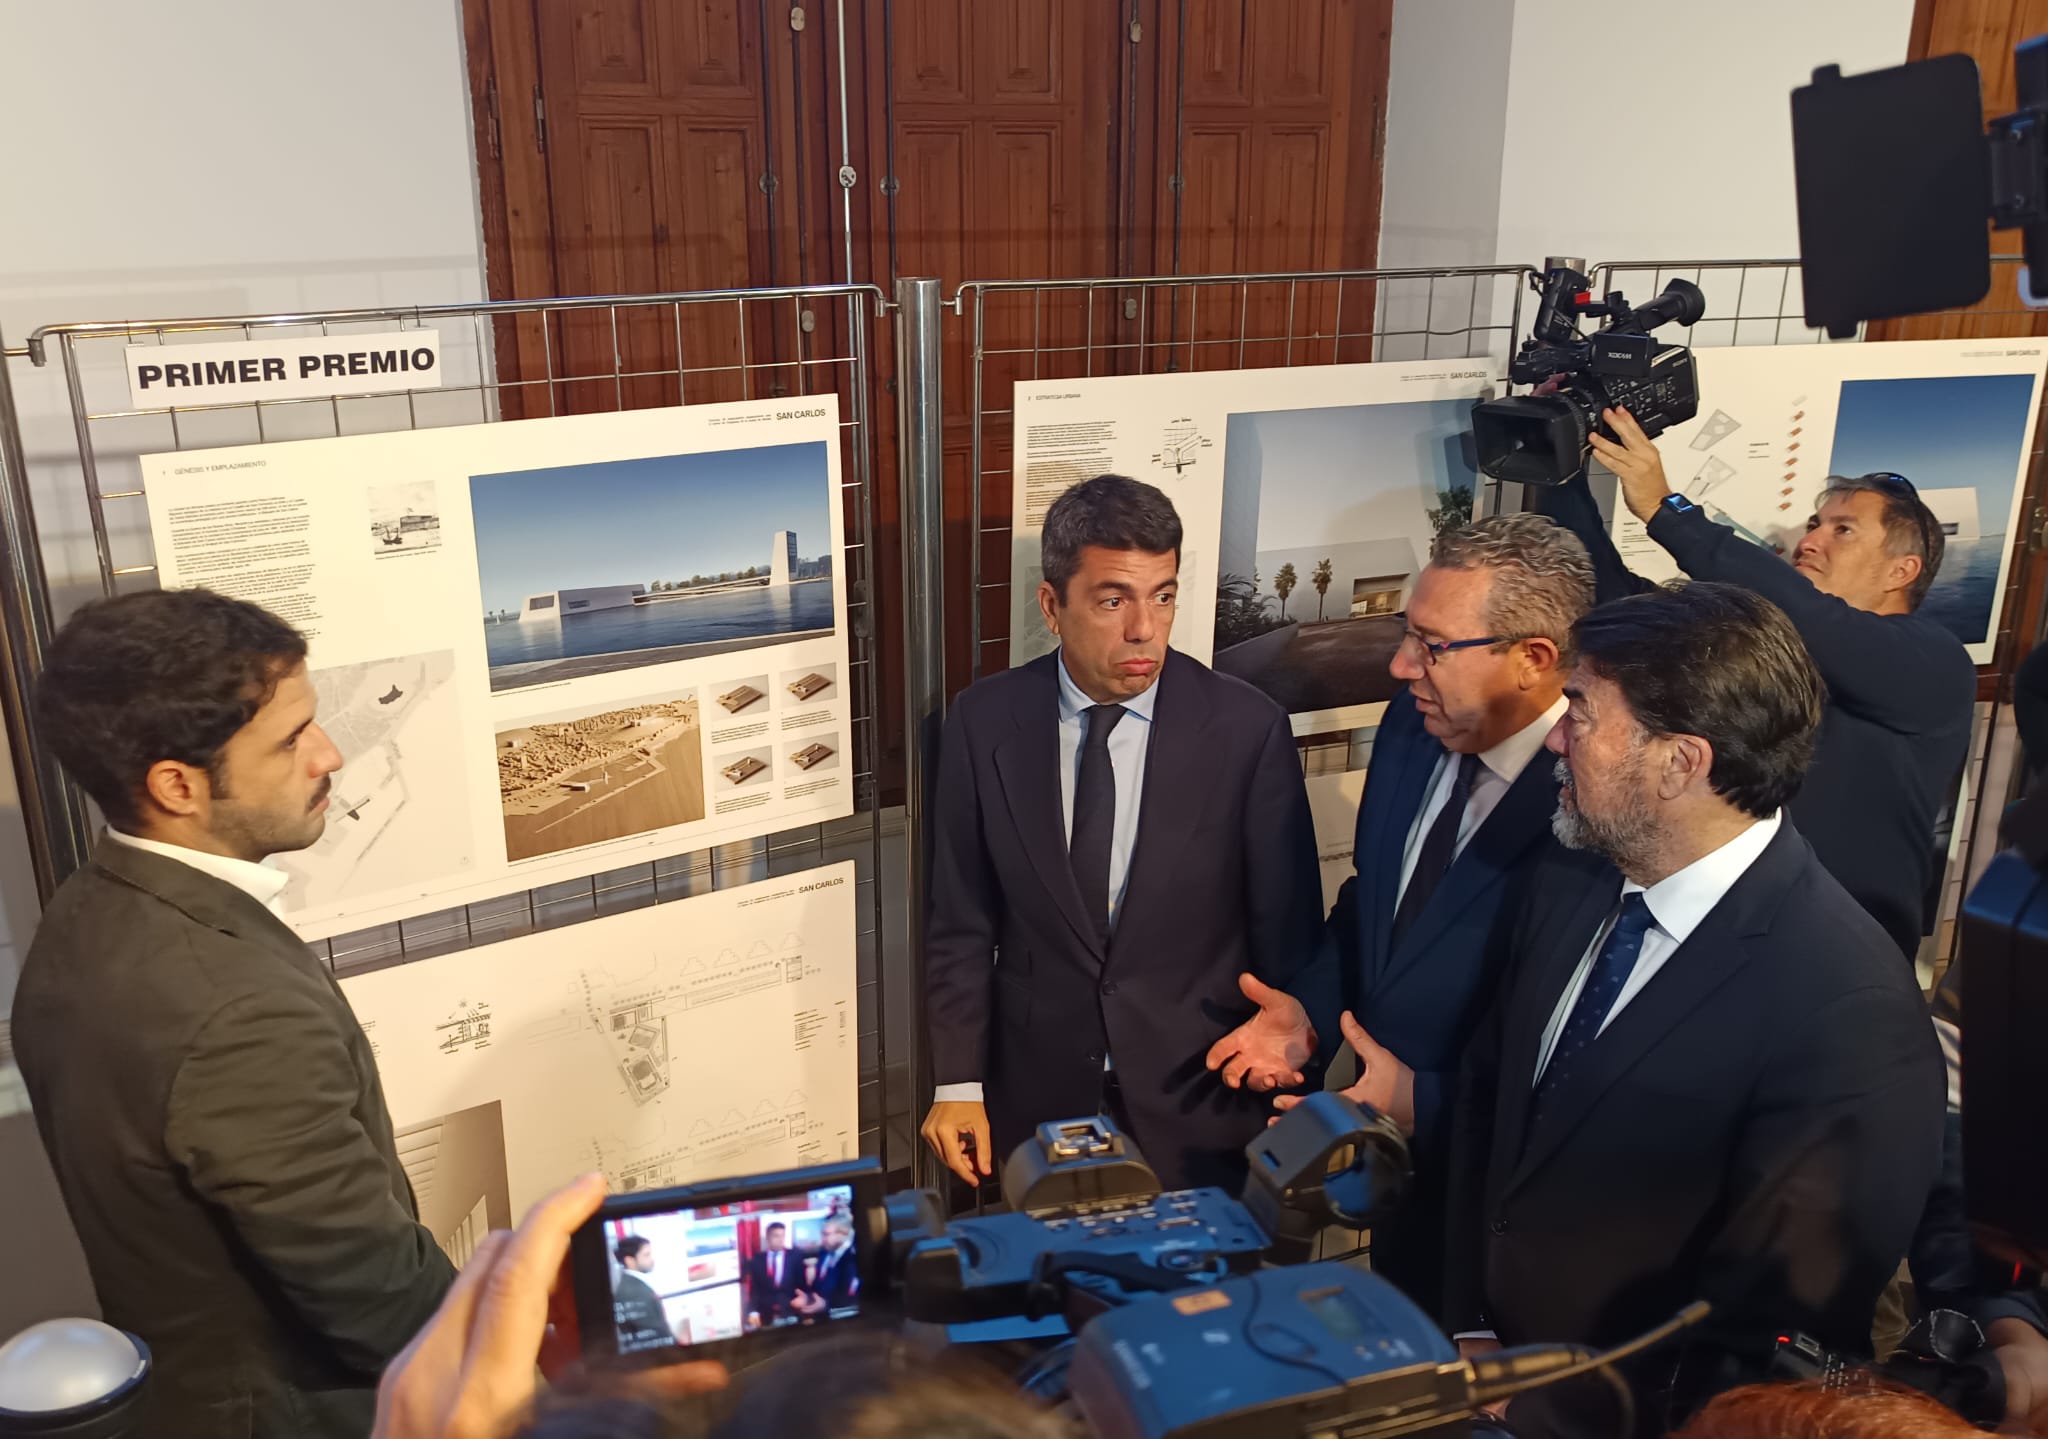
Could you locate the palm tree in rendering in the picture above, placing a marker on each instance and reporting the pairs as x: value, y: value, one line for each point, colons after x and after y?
x: 1320, y: 577
x: 1283, y: 585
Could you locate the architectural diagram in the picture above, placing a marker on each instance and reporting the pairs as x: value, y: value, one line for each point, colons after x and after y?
x: 708, y: 1036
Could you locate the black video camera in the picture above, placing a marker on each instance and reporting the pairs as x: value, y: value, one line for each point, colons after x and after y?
x: 1541, y: 439
x: 1180, y: 1327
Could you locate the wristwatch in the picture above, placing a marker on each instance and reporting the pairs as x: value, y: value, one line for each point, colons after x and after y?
x: 1678, y: 504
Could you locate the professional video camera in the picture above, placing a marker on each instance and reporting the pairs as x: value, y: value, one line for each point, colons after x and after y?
x: 1179, y: 1327
x: 1541, y: 439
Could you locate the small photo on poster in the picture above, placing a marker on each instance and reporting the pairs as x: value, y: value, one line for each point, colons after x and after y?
x: 745, y: 698
x: 745, y: 769
x: 589, y: 569
x: 814, y: 758
x: 581, y: 778
x: 812, y: 685
x: 404, y: 518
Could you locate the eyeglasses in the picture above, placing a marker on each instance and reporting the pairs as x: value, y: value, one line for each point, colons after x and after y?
x: 1433, y: 651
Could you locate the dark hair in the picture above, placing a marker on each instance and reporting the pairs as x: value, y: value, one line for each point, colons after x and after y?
x: 871, y: 1388
x: 1113, y: 511
x: 160, y: 675
x: 1910, y: 528
x: 628, y: 1247
x: 1720, y: 662
x: 778, y: 1224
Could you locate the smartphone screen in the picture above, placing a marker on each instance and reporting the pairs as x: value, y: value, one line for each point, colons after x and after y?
x: 690, y: 1276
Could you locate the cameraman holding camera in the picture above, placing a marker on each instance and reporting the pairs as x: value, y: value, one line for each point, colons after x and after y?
x: 1900, y: 687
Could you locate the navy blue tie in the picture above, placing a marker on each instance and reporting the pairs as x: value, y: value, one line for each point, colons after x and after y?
x: 1088, y: 846
x: 1611, y: 969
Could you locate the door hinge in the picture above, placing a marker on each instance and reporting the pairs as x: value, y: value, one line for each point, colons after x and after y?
x: 1137, y: 31
x: 2037, y: 529
x: 769, y: 184
x: 890, y: 184
x: 491, y: 129
x: 797, y: 18
x: 1176, y: 183
x: 540, y: 122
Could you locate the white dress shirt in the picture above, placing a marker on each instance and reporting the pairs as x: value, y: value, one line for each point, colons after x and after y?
x: 1677, y: 904
x: 1499, y: 768
x: 263, y: 882
x: 1128, y: 743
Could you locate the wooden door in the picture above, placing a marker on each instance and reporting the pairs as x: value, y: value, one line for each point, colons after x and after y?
x: 1271, y: 123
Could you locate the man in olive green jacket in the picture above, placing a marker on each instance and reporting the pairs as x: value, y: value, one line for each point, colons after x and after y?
x: 208, y: 1101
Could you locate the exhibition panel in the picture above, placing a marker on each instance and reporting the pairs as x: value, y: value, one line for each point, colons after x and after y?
x: 533, y: 741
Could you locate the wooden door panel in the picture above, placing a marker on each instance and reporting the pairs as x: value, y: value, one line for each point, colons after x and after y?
x: 1019, y: 52
x: 931, y: 63
x: 710, y: 51
x: 608, y: 40
x: 1293, y: 59
x: 1218, y: 58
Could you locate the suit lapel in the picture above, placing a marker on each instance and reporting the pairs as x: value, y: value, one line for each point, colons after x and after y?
x: 1520, y: 819
x: 1410, y: 758
x: 1557, y: 947
x: 1713, y: 954
x: 1174, y: 798
x: 1028, y: 766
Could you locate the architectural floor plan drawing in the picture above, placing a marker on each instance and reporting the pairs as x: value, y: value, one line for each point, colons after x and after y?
x: 704, y: 1038
x: 399, y: 730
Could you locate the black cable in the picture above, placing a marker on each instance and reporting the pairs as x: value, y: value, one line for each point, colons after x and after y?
x: 1532, y: 1369
x: 1251, y: 1339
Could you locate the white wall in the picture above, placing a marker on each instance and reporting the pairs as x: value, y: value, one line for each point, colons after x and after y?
x: 1653, y: 129
x: 1605, y: 129
x: 208, y: 157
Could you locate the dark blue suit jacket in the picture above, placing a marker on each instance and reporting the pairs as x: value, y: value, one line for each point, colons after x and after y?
x: 1023, y: 992
x: 1423, y: 998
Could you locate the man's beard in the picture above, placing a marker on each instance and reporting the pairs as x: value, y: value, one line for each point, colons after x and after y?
x: 253, y: 832
x: 1628, y: 838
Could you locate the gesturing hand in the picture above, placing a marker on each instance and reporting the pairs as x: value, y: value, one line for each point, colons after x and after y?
x: 1384, y: 1082
x: 1634, y: 462
x: 1268, y: 1050
x: 469, y: 1374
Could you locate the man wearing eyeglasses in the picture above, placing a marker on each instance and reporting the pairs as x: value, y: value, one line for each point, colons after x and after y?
x: 1458, y: 802
x: 1900, y: 685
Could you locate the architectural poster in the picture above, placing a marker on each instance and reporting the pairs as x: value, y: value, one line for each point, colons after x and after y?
x: 545, y: 648
x: 699, y: 1039
x: 1309, y: 497
x: 1956, y: 417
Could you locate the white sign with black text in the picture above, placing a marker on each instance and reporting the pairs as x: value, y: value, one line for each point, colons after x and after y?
x: 313, y: 367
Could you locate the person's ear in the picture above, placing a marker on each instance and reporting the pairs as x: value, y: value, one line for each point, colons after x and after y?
x: 1903, y: 571
x: 180, y: 790
x: 1688, y: 761
x: 1049, y: 607
x: 1539, y: 659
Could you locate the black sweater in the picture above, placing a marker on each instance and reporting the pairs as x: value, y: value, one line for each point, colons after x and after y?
x: 1897, y: 727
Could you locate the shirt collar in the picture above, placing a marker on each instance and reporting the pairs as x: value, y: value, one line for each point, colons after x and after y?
x: 1678, y: 902
x: 262, y: 882
x: 1512, y: 755
x: 1073, y: 702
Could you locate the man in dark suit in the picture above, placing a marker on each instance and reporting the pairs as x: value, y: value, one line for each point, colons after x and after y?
x: 834, y: 1280
x: 1708, y: 1076
x: 636, y: 1309
x: 1457, y: 804
x: 1901, y: 689
x: 772, y: 1277
x: 1120, y: 832
x: 208, y: 1101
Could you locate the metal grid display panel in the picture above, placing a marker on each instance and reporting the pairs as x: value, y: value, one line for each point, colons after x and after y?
x: 1067, y: 329
x: 1761, y: 302
x: 590, y: 354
